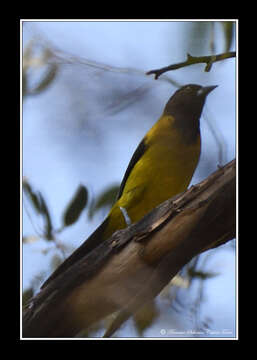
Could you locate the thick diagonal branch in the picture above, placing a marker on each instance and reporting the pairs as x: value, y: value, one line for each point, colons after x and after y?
x: 135, y: 264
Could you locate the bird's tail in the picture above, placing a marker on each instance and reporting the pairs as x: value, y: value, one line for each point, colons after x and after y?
x: 91, y: 243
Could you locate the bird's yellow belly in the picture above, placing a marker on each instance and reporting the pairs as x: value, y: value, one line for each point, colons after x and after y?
x: 158, y: 176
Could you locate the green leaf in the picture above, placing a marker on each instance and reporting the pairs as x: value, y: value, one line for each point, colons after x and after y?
x: 75, y: 207
x: 33, y: 197
x: 45, y: 212
x: 203, y: 275
x: 105, y: 200
x: 41, y: 207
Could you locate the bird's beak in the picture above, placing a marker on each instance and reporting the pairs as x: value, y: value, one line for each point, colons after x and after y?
x: 205, y: 90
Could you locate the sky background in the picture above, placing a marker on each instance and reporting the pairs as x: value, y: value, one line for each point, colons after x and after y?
x: 84, y: 127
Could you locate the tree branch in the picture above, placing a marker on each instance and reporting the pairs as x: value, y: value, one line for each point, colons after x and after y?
x: 134, y: 265
x: 191, y: 60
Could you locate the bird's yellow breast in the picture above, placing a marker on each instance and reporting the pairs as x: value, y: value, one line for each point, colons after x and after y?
x: 164, y: 170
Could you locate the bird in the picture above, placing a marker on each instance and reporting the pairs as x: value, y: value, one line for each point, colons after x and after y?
x: 161, y: 167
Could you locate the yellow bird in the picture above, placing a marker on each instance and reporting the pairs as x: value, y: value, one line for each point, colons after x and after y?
x: 161, y: 167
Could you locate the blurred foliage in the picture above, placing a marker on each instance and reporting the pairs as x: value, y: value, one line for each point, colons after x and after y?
x: 46, y: 214
x: 29, y: 239
x: 203, y: 36
x: 39, y: 204
x: 203, y: 275
x: 41, y: 65
x: 145, y: 316
x: 37, y: 64
x: 76, y: 206
x: 229, y: 33
x: 70, y: 215
x: 104, y: 200
x: 34, y: 197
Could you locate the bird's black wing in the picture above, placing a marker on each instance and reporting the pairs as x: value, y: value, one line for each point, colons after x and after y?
x: 140, y: 150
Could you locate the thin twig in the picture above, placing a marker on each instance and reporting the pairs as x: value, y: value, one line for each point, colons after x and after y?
x: 208, y: 60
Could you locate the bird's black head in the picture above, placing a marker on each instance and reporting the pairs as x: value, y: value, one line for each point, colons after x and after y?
x: 186, y: 106
x: 189, y: 98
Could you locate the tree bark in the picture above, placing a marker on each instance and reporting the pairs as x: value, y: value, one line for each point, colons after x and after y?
x: 134, y: 265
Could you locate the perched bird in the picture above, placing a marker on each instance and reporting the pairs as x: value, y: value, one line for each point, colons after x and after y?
x: 161, y: 167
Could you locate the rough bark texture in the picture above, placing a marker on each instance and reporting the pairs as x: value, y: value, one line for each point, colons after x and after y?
x: 135, y: 264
